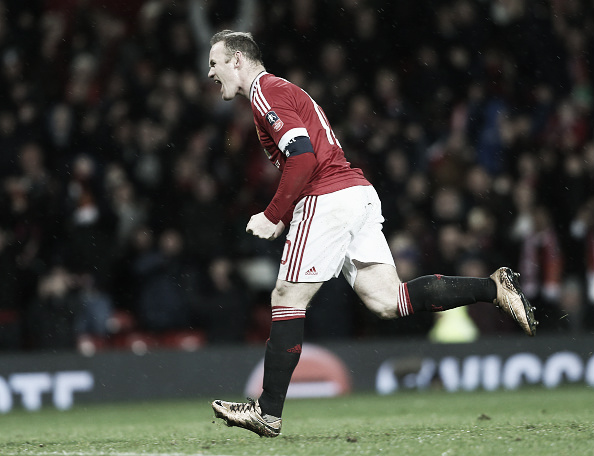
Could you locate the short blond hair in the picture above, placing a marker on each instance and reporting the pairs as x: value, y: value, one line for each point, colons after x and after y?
x: 238, y: 41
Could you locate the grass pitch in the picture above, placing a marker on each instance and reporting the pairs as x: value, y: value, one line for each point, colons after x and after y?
x: 524, y: 422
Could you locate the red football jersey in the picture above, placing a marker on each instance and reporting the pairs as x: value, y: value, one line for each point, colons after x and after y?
x: 282, y: 112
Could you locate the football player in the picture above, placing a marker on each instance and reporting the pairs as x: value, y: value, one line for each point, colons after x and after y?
x: 334, y: 221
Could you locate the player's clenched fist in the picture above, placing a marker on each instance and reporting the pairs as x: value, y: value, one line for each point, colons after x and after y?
x: 263, y: 228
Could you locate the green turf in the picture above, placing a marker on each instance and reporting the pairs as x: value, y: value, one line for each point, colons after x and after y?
x: 525, y: 422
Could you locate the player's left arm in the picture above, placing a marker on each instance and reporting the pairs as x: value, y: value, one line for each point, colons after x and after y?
x: 297, y: 172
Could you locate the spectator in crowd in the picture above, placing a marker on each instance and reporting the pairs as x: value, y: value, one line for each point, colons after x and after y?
x: 11, y: 308
x: 166, y: 284
x: 223, y: 295
x: 51, y: 318
x: 541, y: 268
x: 94, y: 310
x: 86, y: 242
x: 129, y: 210
x: 582, y: 233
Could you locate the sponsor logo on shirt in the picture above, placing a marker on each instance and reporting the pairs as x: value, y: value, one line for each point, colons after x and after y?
x: 274, y: 120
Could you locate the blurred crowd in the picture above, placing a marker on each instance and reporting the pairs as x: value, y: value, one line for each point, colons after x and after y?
x: 126, y: 183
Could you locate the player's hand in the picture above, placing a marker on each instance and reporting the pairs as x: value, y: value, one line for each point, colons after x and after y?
x: 263, y: 228
x: 280, y: 227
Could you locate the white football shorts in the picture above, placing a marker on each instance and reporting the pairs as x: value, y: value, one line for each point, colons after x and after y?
x: 329, y: 232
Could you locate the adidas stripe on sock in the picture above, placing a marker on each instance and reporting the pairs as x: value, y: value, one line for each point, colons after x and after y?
x: 282, y: 313
x: 404, y: 306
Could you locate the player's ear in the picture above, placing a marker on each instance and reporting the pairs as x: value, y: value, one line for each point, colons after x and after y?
x: 238, y: 58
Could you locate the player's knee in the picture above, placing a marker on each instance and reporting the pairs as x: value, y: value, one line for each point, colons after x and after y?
x: 387, y: 314
x: 384, y: 311
x: 280, y: 291
x: 291, y: 294
x: 284, y: 295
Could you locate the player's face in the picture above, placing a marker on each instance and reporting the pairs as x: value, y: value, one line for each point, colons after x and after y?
x: 223, y: 72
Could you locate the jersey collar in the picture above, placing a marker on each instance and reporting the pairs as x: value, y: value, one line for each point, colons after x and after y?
x: 255, y: 81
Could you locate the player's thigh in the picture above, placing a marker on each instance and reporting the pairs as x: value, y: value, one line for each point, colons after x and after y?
x: 294, y: 294
x: 368, y: 245
x: 377, y: 285
x: 320, y: 233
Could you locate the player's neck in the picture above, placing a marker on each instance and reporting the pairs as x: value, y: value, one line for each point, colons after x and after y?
x: 250, y: 77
